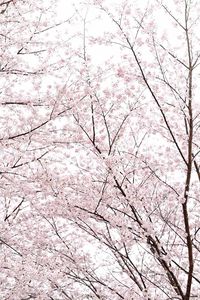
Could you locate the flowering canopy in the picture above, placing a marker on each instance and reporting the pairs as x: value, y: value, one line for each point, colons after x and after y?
x: 100, y: 150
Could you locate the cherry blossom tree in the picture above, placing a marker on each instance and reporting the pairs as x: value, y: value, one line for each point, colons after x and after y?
x: 100, y: 150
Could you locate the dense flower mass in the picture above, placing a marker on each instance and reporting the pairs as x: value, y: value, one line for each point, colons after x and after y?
x: 99, y: 148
